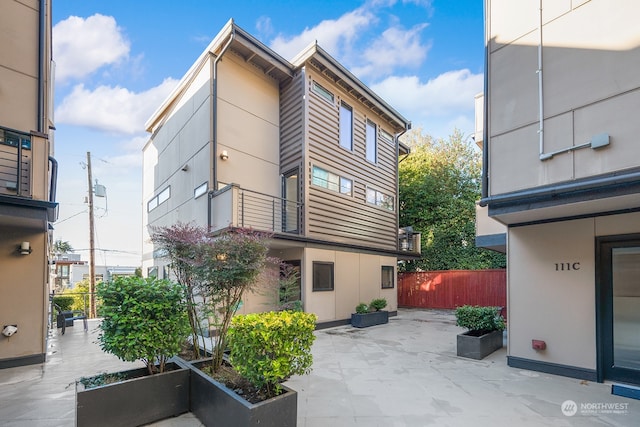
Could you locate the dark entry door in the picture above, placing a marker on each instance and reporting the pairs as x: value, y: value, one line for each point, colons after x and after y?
x: 619, y: 309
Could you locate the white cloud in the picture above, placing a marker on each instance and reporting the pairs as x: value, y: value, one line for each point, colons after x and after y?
x: 394, y: 48
x: 447, y: 100
x: 82, y: 46
x: 334, y: 35
x: 113, y: 109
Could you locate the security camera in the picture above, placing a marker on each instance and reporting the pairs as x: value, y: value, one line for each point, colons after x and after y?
x: 9, y: 330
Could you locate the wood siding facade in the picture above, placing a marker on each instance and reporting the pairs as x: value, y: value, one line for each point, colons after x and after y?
x: 340, y: 217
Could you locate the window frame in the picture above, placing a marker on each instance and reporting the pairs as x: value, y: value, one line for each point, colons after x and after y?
x: 382, y: 273
x: 371, y: 137
x: 201, y: 190
x: 323, y: 92
x: 379, y: 199
x: 344, y: 126
x: 386, y: 136
x: 314, y: 286
x: 334, y: 182
x: 159, y: 199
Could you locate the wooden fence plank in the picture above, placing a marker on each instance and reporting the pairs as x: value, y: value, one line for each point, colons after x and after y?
x: 453, y: 288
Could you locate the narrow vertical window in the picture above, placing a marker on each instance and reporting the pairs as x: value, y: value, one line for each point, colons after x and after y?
x: 346, y: 126
x: 388, y: 276
x: 372, y: 149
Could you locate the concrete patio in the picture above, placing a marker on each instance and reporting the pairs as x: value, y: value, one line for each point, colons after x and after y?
x: 405, y: 373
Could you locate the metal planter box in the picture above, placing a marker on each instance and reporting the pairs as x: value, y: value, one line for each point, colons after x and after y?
x: 478, y: 347
x: 216, y: 405
x: 142, y: 399
x: 369, y: 319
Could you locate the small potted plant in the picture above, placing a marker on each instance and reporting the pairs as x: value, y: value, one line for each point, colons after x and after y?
x: 484, y: 331
x: 146, y: 320
x: 370, y: 315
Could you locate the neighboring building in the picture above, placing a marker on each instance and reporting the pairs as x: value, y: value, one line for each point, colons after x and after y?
x: 27, y: 177
x: 302, y: 149
x: 562, y: 170
x: 68, y: 270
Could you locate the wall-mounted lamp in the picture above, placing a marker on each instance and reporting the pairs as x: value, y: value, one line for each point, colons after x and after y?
x: 224, y: 155
x: 24, y: 248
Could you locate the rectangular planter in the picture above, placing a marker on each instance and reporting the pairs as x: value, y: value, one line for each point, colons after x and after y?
x: 369, y: 319
x: 216, y: 405
x: 142, y: 399
x: 478, y: 347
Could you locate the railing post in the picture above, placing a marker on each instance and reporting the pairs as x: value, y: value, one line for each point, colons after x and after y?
x: 242, y: 209
x: 19, y: 169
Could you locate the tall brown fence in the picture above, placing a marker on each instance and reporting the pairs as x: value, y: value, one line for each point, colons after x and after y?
x: 453, y: 288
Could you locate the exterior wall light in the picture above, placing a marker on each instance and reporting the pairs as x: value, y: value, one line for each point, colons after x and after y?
x: 224, y: 155
x: 24, y: 248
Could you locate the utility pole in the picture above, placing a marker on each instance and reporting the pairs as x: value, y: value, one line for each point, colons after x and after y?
x: 92, y: 259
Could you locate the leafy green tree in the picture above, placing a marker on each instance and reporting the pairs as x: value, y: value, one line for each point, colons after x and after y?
x: 439, y: 186
x: 60, y: 247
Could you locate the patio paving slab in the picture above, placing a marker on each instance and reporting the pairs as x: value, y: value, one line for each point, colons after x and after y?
x: 404, y: 373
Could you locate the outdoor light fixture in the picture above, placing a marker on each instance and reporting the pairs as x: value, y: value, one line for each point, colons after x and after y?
x: 24, y: 248
x: 224, y: 155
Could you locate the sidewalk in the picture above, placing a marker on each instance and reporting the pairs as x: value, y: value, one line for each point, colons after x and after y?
x: 405, y: 373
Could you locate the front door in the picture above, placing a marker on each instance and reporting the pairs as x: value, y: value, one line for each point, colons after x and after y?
x: 619, y: 309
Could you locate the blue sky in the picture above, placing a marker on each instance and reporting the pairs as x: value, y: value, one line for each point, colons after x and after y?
x: 116, y: 60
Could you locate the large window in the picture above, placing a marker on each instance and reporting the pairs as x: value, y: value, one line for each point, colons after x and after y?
x: 322, y: 276
x: 331, y: 181
x: 372, y: 149
x: 378, y: 198
x: 346, y: 126
x: 387, y: 277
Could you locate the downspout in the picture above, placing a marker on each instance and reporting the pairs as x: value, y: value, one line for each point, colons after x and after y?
x: 485, y: 128
x: 214, y: 121
x: 214, y: 107
x: 397, y: 144
x: 540, y: 93
x: 54, y: 179
x: 40, y: 113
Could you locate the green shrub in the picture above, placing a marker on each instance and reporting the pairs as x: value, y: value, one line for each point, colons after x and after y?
x: 362, y: 308
x: 268, y: 348
x: 479, y: 319
x: 64, y: 302
x: 144, y: 319
x: 378, y: 304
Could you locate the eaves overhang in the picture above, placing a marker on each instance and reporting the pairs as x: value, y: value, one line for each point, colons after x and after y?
x: 599, y: 195
x: 324, y: 63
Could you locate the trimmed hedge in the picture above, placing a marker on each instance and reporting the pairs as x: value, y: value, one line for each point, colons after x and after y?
x: 480, y: 319
x: 268, y: 348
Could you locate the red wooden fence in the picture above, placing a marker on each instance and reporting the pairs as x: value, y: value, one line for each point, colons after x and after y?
x: 453, y: 288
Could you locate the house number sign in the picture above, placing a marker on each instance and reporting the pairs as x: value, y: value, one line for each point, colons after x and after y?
x: 567, y: 266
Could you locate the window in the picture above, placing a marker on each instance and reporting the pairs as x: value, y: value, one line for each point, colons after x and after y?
x: 14, y: 139
x: 378, y: 198
x: 322, y: 276
x: 152, y: 271
x: 387, y: 277
x: 162, y: 197
x: 200, y: 190
x: 346, y: 126
x: 165, y: 272
x: 386, y: 136
x: 372, y: 150
x: 322, y: 92
x: 331, y: 181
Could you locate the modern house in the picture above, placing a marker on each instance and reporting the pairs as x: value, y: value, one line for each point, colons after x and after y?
x: 68, y: 269
x: 562, y: 173
x: 299, y: 148
x: 27, y: 178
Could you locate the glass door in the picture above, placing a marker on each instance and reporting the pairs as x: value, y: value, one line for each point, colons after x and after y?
x: 290, y: 202
x: 619, y: 311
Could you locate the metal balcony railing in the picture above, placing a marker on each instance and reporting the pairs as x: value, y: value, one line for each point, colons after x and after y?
x: 239, y: 207
x: 15, y: 161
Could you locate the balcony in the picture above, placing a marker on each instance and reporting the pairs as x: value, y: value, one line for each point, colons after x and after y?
x: 15, y: 163
x: 233, y: 206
